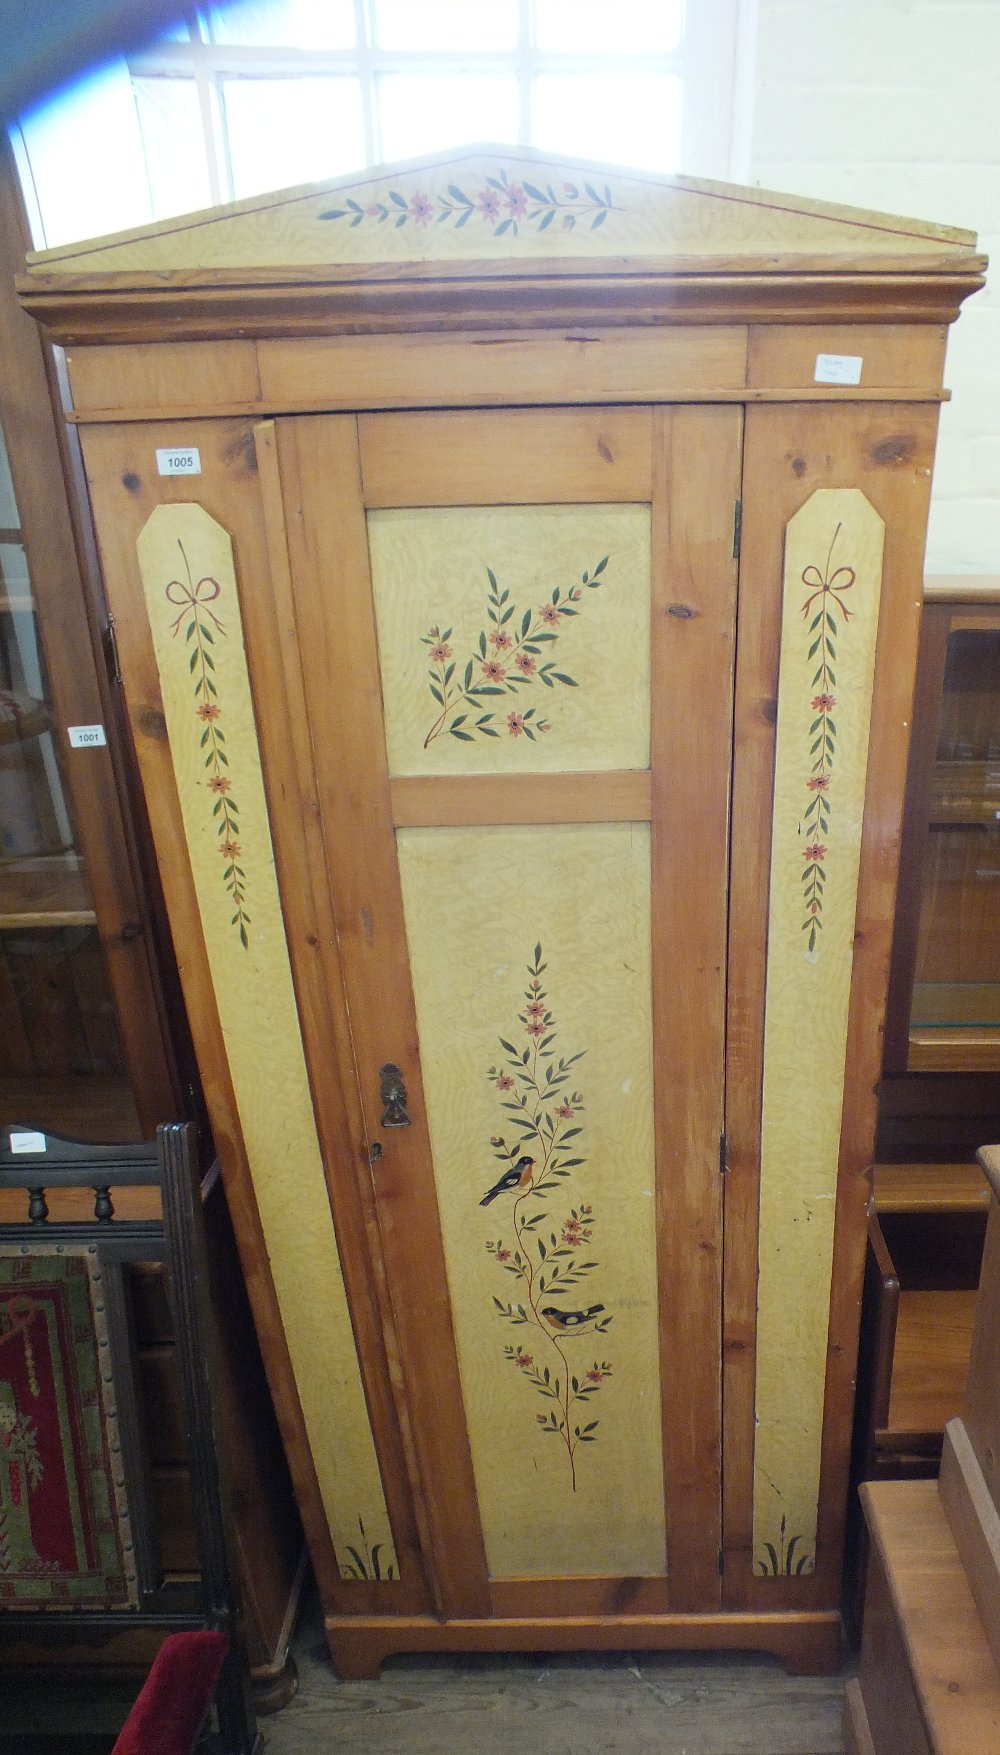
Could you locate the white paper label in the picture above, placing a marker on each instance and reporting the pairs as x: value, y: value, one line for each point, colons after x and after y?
x: 182, y: 460
x: 27, y: 1142
x: 838, y: 368
x: 86, y: 737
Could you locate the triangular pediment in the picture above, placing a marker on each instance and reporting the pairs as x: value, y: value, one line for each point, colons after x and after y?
x: 502, y: 204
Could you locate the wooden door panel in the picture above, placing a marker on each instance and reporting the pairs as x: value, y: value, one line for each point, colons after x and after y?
x: 590, y: 858
x: 530, y: 956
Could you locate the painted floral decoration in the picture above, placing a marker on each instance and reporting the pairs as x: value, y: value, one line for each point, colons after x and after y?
x: 510, y: 656
x: 828, y: 612
x: 549, y: 1257
x: 201, y: 626
x: 502, y: 205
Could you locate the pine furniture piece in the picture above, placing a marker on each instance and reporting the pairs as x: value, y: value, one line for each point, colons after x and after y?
x: 929, y: 1675
x: 516, y: 572
x: 80, y: 1550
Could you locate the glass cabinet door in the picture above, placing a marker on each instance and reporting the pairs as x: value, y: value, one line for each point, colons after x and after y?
x: 956, y: 988
x: 61, y: 1060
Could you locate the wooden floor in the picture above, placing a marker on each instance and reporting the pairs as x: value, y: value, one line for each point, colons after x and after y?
x: 650, y: 1704
x: 661, y: 1704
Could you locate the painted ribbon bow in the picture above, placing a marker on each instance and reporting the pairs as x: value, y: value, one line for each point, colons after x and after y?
x: 819, y: 584
x: 194, y: 597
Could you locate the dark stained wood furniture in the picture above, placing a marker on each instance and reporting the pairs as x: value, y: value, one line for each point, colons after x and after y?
x: 82, y: 1362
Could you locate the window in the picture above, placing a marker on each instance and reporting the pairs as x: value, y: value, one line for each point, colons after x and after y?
x: 243, y: 98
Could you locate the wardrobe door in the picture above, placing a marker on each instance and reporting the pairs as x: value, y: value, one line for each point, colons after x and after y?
x: 516, y: 637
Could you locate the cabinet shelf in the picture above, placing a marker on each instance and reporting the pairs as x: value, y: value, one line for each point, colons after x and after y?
x: 930, y: 1188
x: 44, y: 893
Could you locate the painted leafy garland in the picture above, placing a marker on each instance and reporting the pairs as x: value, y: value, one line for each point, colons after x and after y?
x: 499, y: 203
x: 195, y: 601
x: 536, y: 1094
x: 510, y: 655
x: 826, y: 608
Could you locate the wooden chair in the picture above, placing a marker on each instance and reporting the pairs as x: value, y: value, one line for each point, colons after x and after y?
x: 79, y: 1554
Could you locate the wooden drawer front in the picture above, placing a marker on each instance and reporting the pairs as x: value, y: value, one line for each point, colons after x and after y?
x: 894, y: 1718
x: 783, y: 356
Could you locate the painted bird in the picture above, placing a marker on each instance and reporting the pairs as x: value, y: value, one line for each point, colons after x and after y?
x: 557, y: 1318
x: 518, y: 1176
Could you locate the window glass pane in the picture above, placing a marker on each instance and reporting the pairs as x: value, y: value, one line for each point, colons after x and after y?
x: 446, y: 24
x: 421, y: 112
x: 170, y: 121
x: 287, y: 131
x: 86, y: 159
x: 622, y: 118
x: 177, y: 33
x: 285, y: 24
x: 617, y: 26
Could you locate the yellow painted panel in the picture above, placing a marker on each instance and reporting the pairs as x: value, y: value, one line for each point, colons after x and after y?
x: 186, y: 561
x: 536, y: 942
x: 505, y: 597
x: 832, y: 582
x: 498, y: 204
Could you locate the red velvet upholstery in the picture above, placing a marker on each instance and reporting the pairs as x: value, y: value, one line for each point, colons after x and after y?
x: 175, y: 1696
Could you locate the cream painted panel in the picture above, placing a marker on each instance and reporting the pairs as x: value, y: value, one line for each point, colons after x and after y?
x: 497, y: 206
x: 186, y: 561
x: 504, y: 596
x: 832, y: 582
x: 535, y: 943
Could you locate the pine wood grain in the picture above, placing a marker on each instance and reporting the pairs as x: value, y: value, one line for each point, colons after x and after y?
x: 886, y: 453
x: 929, y: 1188
x: 974, y: 1519
x: 697, y: 461
x: 328, y: 556
x: 955, y: 1683
x: 930, y: 1362
x: 573, y: 457
x: 451, y: 801
x: 124, y: 491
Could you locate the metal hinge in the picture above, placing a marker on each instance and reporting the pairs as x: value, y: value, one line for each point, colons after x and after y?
x: 737, y: 529
x: 723, y: 1166
x: 111, y: 647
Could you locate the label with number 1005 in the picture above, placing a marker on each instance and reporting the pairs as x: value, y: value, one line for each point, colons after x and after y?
x: 180, y: 460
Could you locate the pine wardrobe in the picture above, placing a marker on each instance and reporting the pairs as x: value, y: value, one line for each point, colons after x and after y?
x: 515, y: 569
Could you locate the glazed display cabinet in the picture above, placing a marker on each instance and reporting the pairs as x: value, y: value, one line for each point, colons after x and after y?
x: 517, y: 569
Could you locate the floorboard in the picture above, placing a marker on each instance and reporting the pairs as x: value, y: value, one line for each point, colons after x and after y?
x: 649, y: 1704
x: 577, y: 1704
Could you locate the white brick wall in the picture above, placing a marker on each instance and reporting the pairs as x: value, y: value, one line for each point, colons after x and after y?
x: 895, y: 104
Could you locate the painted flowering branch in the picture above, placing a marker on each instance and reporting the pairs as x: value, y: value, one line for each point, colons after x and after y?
x: 195, y: 601
x: 538, y: 1098
x: 499, y: 203
x: 826, y: 607
x: 509, y: 656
